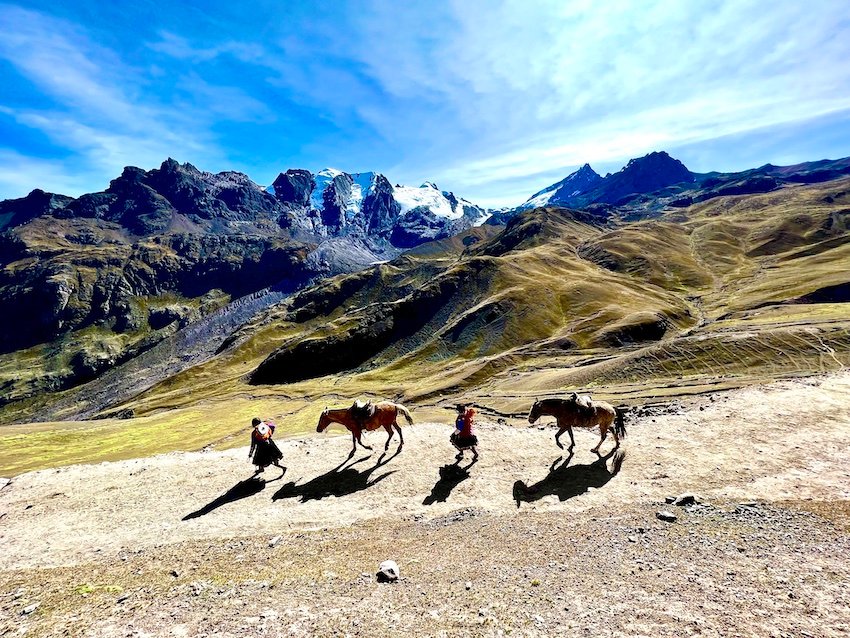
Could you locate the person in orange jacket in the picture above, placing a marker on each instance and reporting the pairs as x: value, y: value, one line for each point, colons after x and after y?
x: 463, y: 438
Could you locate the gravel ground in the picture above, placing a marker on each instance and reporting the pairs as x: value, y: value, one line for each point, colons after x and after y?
x: 522, y: 543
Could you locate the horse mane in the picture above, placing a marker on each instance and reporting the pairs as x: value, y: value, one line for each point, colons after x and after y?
x: 555, y: 402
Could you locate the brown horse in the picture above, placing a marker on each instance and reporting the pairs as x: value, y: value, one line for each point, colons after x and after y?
x: 382, y: 415
x: 580, y: 412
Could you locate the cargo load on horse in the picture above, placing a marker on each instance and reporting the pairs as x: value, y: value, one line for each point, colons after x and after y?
x: 366, y: 417
x: 582, y: 412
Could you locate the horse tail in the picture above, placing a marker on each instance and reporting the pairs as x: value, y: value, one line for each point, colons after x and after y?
x: 620, y: 425
x: 406, y: 414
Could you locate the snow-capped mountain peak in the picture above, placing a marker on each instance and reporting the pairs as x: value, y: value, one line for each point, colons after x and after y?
x: 574, y: 184
x: 332, y: 202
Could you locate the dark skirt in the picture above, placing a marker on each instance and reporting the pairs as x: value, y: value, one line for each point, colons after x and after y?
x: 266, y: 453
x: 463, y: 442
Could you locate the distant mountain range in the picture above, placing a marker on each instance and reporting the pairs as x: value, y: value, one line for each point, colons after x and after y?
x: 646, y: 185
x: 179, y: 198
x: 331, y: 203
x: 87, y: 283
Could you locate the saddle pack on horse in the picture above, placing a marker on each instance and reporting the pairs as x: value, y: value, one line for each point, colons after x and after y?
x: 584, y: 403
x: 362, y: 411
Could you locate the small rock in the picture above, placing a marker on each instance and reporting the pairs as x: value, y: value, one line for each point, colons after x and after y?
x: 175, y: 573
x: 388, y: 572
x: 686, y: 499
x: 122, y: 598
x: 633, y: 539
x: 748, y: 504
x: 468, y: 585
x: 670, y: 500
x: 666, y: 516
x: 26, y: 611
x: 274, y: 541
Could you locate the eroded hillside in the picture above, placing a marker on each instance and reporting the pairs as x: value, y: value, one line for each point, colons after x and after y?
x: 724, y: 293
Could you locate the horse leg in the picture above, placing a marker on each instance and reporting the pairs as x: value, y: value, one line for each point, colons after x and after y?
x: 564, y: 428
x: 569, y: 430
x: 368, y: 447
x: 353, y: 444
x: 389, y: 430
x: 400, y: 435
x: 603, y: 431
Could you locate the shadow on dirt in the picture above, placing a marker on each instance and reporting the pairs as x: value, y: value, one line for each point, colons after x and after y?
x: 243, y: 489
x: 340, y: 481
x: 567, y: 482
x: 450, y: 477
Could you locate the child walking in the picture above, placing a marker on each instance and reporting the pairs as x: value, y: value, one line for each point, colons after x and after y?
x: 463, y: 438
x: 263, y: 450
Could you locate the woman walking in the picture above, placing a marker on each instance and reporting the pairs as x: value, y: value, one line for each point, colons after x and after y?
x: 263, y: 450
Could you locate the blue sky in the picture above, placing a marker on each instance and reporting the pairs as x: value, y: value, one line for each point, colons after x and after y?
x: 493, y: 100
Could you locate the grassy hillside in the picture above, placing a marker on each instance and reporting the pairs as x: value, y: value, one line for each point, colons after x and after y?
x: 724, y: 293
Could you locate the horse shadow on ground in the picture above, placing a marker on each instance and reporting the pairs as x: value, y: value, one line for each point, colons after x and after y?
x: 343, y: 480
x: 450, y: 477
x: 243, y: 489
x: 567, y: 482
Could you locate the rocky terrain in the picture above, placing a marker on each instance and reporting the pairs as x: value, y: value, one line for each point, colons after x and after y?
x: 88, y: 283
x: 524, y: 542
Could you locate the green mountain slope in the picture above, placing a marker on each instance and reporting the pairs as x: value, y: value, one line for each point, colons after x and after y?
x: 730, y: 291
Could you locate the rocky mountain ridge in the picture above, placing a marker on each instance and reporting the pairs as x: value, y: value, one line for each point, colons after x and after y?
x: 179, y: 198
x: 88, y: 282
x: 92, y: 282
x: 333, y: 203
x: 647, y: 185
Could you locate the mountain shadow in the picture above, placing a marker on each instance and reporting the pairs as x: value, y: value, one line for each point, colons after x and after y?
x: 567, y: 482
x: 450, y: 477
x: 243, y: 489
x: 340, y: 481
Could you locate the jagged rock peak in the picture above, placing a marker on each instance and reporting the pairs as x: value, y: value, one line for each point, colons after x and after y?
x: 659, y: 161
x: 560, y: 193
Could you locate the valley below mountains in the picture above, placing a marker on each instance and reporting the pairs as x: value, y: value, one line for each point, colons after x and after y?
x: 145, y: 326
x: 178, y: 297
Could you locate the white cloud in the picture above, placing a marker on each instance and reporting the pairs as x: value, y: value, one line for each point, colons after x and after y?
x: 493, y: 100
x: 516, y: 88
x: 103, y: 114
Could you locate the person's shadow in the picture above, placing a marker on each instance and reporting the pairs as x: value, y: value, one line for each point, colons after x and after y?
x: 567, y: 482
x: 243, y: 489
x: 450, y: 477
x: 340, y: 481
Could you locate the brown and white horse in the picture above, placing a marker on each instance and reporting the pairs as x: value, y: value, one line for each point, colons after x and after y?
x: 581, y: 413
x: 385, y: 416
